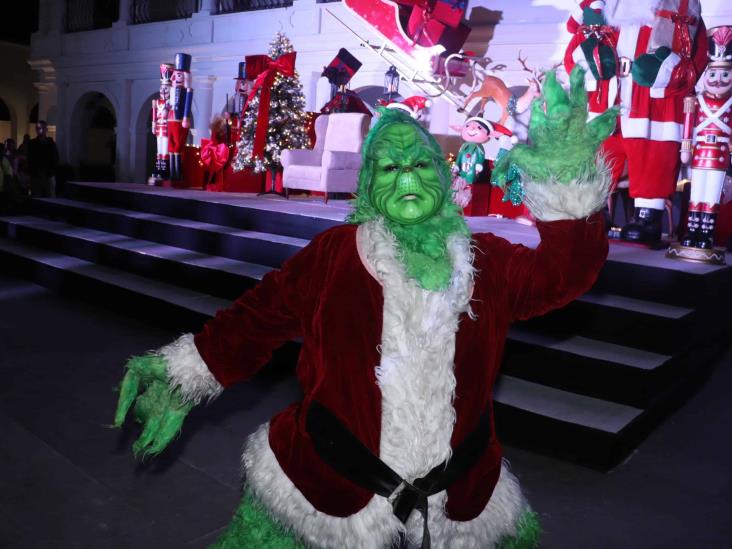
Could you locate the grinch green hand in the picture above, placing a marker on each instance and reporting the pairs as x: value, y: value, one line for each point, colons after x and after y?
x: 159, y: 409
x: 563, y: 144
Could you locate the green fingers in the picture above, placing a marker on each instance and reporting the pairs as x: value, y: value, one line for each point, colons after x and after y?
x: 563, y: 144
x: 160, y: 410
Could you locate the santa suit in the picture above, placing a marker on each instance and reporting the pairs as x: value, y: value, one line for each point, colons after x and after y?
x: 408, y: 371
x: 648, y: 136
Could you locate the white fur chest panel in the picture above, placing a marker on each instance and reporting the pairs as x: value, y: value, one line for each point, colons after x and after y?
x: 416, y: 375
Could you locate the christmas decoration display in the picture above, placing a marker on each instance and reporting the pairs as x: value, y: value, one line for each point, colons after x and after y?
x: 179, y: 118
x: 274, y: 116
x: 708, y: 127
x: 403, y: 315
x: 646, y: 56
x: 492, y: 87
x: 161, y: 108
x: 243, y: 84
x: 469, y: 162
x: 339, y: 73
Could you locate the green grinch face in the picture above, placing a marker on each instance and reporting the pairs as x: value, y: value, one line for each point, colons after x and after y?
x: 405, y: 185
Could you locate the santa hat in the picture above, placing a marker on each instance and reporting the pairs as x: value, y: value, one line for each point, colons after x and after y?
x: 414, y: 105
x: 492, y: 127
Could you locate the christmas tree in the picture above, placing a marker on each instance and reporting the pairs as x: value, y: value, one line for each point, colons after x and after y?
x: 286, y: 120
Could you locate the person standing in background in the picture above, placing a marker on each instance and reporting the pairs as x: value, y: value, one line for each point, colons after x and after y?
x: 42, y: 162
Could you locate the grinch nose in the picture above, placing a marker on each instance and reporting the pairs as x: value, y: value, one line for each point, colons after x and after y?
x: 408, y: 181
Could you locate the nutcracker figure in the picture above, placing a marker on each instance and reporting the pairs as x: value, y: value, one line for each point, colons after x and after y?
x: 160, y: 112
x: 242, y: 86
x: 705, y: 144
x: 645, y: 56
x: 179, y: 117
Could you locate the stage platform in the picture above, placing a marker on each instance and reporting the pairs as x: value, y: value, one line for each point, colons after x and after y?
x: 586, y: 383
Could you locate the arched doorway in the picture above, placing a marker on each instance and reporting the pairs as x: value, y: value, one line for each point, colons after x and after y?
x: 6, y: 122
x: 95, y: 123
x: 145, y: 144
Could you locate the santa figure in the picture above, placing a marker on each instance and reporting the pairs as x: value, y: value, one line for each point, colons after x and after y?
x: 645, y: 56
x: 179, y: 118
x: 403, y: 316
x: 706, y: 143
x: 160, y: 112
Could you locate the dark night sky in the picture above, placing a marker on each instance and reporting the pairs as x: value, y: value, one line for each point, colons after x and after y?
x: 19, y: 22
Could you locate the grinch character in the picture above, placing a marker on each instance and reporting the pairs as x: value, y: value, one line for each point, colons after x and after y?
x: 403, y: 317
x: 470, y: 158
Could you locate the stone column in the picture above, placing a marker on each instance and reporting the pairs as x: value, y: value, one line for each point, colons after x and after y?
x: 202, y: 106
x: 124, y: 161
x: 208, y: 7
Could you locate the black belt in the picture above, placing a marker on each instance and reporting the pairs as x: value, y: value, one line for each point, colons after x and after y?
x: 339, y: 448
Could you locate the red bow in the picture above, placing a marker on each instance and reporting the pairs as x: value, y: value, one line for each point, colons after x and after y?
x: 214, y: 157
x: 285, y: 65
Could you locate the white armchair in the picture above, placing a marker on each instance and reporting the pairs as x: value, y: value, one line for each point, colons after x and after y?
x: 333, y: 165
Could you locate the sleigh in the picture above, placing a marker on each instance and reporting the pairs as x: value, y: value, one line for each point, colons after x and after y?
x: 423, y: 39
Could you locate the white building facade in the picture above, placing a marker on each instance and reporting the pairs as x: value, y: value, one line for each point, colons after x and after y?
x: 119, y: 64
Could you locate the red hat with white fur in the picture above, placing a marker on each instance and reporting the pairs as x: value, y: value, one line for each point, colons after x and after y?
x: 414, y: 105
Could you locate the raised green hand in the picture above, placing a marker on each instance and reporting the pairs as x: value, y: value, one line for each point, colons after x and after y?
x: 160, y: 410
x: 563, y: 144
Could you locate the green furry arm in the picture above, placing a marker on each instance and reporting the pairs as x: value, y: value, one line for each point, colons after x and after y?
x: 159, y: 409
x: 563, y: 144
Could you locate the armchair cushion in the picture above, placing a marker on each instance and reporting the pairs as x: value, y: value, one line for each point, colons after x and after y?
x: 301, y: 157
x: 341, y: 160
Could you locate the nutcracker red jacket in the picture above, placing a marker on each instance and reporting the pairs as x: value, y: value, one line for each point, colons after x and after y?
x: 326, y: 296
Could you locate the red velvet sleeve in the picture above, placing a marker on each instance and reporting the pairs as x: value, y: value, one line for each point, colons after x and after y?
x: 564, y: 265
x: 239, y: 340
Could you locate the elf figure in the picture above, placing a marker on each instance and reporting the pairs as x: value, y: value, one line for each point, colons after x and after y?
x: 160, y: 111
x: 644, y: 56
x: 708, y: 127
x: 414, y: 105
x: 403, y: 316
x: 179, y: 118
x: 469, y: 162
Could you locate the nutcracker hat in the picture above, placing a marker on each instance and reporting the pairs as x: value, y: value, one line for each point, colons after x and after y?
x: 166, y: 73
x: 414, y: 105
x: 242, y: 73
x: 340, y: 71
x: 490, y: 126
x: 720, y: 47
x: 183, y: 62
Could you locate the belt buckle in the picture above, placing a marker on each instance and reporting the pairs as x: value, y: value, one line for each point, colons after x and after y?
x: 710, y: 138
x: 625, y: 65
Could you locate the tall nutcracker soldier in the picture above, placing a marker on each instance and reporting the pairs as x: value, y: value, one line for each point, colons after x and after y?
x: 179, y: 118
x: 646, y: 56
x: 242, y: 86
x: 706, y: 144
x: 160, y: 112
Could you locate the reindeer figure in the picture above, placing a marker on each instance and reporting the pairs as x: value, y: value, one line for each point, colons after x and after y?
x: 493, y: 88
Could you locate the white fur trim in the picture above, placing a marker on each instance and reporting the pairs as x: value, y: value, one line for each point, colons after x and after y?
x: 375, y: 526
x: 188, y: 372
x: 552, y: 200
x: 658, y: 90
x: 653, y: 203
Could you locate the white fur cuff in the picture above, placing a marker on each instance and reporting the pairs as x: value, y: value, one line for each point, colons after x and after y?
x: 188, y: 372
x: 552, y: 200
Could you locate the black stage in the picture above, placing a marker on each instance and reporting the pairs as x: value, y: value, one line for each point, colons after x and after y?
x: 603, y: 383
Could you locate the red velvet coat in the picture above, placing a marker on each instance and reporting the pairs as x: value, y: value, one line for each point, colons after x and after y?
x: 326, y: 296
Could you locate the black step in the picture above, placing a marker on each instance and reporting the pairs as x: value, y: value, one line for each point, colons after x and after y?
x: 241, y: 244
x: 214, y: 275
x: 151, y: 299
x: 245, y: 211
